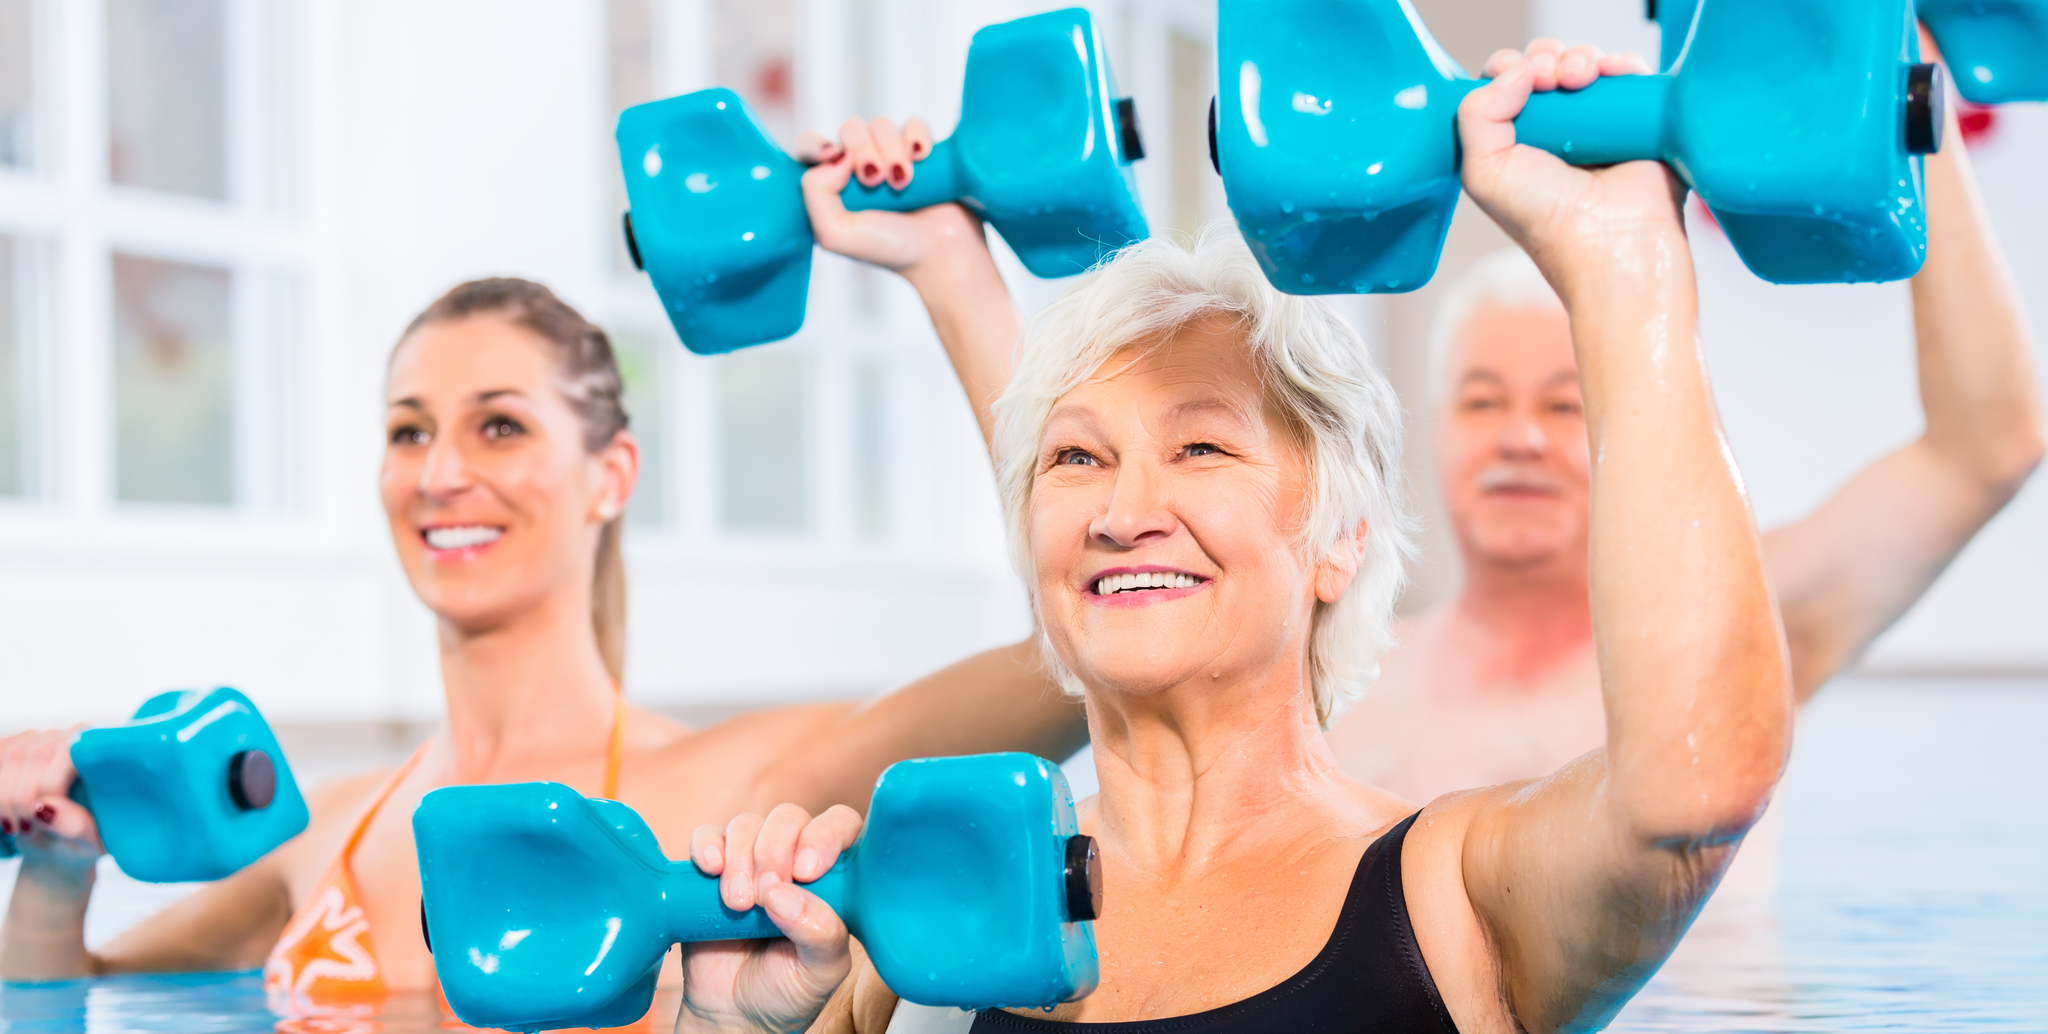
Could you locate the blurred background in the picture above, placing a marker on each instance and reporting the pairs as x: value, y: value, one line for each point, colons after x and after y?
x: 217, y: 215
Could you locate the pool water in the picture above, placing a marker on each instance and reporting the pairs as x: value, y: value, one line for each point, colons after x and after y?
x: 1911, y: 894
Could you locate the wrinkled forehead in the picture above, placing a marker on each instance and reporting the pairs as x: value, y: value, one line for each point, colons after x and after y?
x: 1520, y: 346
x: 1199, y: 369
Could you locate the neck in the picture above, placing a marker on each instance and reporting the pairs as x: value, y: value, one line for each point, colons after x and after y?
x: 1524, y: 618
x: 530, y: 689
x: 1210, y: 770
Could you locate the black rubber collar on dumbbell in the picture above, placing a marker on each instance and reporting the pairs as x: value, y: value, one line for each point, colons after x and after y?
x: 252, y: 780
x: 1084, y: 879
x: 1926, y: 108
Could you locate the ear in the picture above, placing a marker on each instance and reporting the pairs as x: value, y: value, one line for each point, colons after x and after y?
x: 616, y: 470
x: 1340, y: 565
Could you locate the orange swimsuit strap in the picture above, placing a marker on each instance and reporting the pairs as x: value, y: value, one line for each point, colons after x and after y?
x: 323, y: 957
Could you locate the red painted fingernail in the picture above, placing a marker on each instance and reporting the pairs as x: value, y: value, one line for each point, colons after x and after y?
x: 6, y: 827
x: 870, y: 171
x: 46, y: 814
x: 898, y: 174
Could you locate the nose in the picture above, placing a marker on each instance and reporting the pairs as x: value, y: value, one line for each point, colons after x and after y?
x: 1137, y: 513
x: 445, y: 474
x: 1521, y: 437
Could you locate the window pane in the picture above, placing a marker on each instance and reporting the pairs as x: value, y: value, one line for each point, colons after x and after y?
x: 173, y: 383
x: 166, y: 95
x: 755, y: 48
x: 1192, y: 69
x: 871, y: 452
x: 631, y: 68
x: 761, y: 436
x: 13, y: 414
x: 17, y: 83
x: 640, y: 367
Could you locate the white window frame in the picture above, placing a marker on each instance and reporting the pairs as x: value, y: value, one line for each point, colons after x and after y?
x: 68, y: 210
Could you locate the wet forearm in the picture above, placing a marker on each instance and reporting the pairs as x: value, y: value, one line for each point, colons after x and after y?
x: 1691, y: 657
x: 44, y: 935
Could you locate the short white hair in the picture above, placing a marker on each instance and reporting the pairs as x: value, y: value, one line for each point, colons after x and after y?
x: 1315, y: 369
x: 1507, y: 279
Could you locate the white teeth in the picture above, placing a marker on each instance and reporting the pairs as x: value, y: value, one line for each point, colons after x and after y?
x: 463, y: 537
x: 1137, y: 581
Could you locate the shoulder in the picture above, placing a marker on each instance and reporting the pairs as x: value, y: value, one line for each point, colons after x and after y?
x: 1437, y: 859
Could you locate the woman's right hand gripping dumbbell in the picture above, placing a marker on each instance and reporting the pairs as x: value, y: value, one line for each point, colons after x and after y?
x: 941, y: 250
x: 48, y: 827
x: 44, y: 934
x: 769, y: 985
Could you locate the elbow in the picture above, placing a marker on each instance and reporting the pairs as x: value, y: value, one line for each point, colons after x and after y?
x: 2000, y: 463
x: 1710, y: 786
x: 2017, y: 461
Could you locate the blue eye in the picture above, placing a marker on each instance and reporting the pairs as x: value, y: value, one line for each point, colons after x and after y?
x: 1203, y: 449
x: 1074, y: 458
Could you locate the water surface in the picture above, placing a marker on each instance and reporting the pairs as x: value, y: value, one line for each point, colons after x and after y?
x: 1906, y: 893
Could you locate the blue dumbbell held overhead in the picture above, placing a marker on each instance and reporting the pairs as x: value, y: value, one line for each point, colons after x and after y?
x: 969, y: 887
x: 1042, y: 153
x: 194, y: 787
x: 1996, y: 49
x: 1798, y: 122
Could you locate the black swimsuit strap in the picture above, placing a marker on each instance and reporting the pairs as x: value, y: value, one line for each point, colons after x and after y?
x: 1369, y: 977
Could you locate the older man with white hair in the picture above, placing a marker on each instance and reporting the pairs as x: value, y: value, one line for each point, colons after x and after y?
x: 1503, y: 682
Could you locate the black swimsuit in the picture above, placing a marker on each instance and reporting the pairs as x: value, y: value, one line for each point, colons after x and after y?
x: 1370, y: 977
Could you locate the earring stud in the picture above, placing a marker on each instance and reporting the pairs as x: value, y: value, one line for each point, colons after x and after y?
x: 606, y: 511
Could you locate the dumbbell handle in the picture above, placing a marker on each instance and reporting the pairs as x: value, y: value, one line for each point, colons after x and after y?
x: 695, y: 912
x: 935, y: 180
x: 1621, y: 118
x: 1615, y: 119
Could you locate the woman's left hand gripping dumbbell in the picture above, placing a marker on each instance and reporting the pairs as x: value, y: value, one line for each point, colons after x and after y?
x: 775, y: 985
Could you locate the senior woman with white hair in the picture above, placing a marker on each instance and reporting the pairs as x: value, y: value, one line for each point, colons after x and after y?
x: 1201, y: 481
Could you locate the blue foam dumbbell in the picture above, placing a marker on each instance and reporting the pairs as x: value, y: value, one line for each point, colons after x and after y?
x: 1998, y: 49
x: 1798, y: 122
x: 1042, y: 153
x: 194, y: 787
x: 969, y: 887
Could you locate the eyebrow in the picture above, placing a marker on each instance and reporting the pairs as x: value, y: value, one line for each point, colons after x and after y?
x: 413, y: 402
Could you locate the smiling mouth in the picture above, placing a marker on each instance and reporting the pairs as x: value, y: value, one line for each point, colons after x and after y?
x: 1144, y: 581
x: 462, y: 536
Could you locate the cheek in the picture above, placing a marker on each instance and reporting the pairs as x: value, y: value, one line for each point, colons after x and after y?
x: 395, y: 481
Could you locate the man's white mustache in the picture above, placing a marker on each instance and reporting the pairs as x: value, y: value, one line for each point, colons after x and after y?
x: 1496, y: 478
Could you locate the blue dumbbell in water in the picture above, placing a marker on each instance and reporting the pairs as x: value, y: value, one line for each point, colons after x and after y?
x: 1798, y: 122
x: 1042, y: 152
x: 1998, y: 49
x: 969, y: 887
x: 194, y: 787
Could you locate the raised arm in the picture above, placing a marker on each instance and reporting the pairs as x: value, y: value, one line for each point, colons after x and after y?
x: 941, y: 250
x: 1584, y: 880
x: 1850, y: 569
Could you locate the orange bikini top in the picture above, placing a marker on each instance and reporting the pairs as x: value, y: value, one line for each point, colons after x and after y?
x: 322, y: 962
